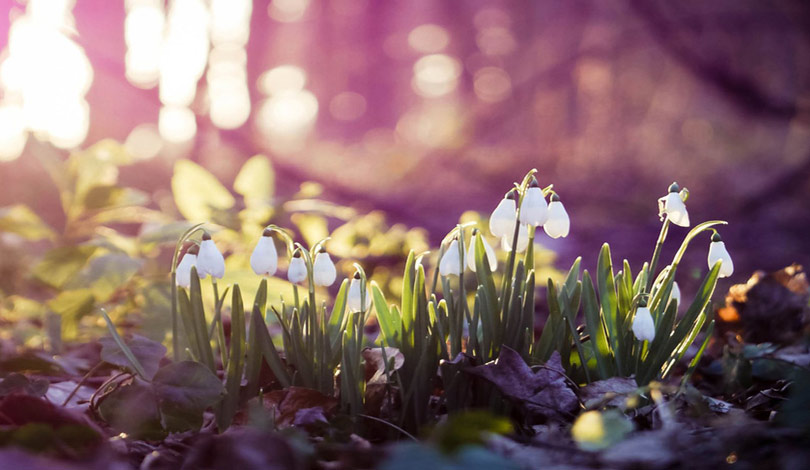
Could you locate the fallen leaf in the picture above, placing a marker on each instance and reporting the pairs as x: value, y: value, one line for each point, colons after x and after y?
x: 608, y: 392
x: 375, y: 366
x: 545, y: 392
x: 148, y: 352
x: 18, y: 383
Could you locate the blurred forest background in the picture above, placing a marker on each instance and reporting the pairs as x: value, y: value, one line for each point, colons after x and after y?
x: 425, y: 109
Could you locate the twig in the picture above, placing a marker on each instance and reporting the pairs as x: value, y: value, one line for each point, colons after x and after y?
x: 82, y: 381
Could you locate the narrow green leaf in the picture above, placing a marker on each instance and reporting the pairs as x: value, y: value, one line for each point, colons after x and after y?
x: 136, y: 364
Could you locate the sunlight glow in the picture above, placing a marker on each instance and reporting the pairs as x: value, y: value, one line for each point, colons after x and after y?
x: 143, y: 33
x: 282, y: 78
x: 428, y: 38
x: 44, y: 76
x: 435, y: 75
x: 287, y: 11
x: 177, y: 124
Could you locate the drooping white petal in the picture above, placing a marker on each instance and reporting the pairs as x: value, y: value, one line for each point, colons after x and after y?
x: 523, y: 239
x: 183, y: 272
x: 643, y: 325
x: 472, y: 253
x: 324, y: 272
x: 297, y: 271
x: 354, y: 299
x: 264, y: 259
x: 718, y: 252
x: 533, y: 208
x: 210, y: 260
x: 676, y: 209
x: 558, y: 224
x: 451, y: 261
x: 676, y: 293
x: 502, y: 220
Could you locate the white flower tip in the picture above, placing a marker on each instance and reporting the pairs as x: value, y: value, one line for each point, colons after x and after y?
x: 324, y: 272
x: 534, y: 208
x: 643, y: 325
x: 210, y: 261
x: 264, y: 259
x: 355, y: 301
x: 297, y: 270
x: 450, y: 264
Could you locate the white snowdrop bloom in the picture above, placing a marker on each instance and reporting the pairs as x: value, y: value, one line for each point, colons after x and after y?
x: 183, y: 272
x: 451, y: 260
x: 522, y: 243
x: 558, y: 223
x: 354, y: 300
x: 643, y: 325
x: 297, y: 270
x: 676, y: 293
x: 210, y: 260
x: 502, y: 220
x: 718, y: 252
x: 674, y: 208
x: 533, y: 208
x: 323, y: 269
x: 472, y: 253
x: 264, y: 259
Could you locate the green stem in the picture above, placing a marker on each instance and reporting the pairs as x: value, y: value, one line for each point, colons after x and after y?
x: 218, y: 324
x: 656, y: 254
x: 175, y: 325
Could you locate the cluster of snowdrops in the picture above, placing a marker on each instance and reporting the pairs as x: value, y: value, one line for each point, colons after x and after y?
x: 317, y: 267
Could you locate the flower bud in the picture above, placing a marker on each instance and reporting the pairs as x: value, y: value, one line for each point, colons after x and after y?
x: 354, y: 299
x: 450, y: 262
x: 297, y: 270
x: 183, y: 272
x: 522, y: 243
x: 323, y: 269
x: 472, y: 253
x: 643, y: 325
x: 674, y: 208
x: 502, y: 220
x: 264, y: 259
x: 675, y: 294
x: 558, y: 223
x: 718, y: 252
x: 533, y: 208
x: 210, y: 260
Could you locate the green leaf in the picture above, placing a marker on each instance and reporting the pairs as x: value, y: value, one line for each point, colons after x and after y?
x: 197, y: 193
x: 200, y: 325
x: 110, y: 197
x: 131, y: 361
x: 609, y: 302
x: 256, y: 182
x: 72, y: 305
x: 106, y: 274
x: 236, y: 362
x: 184, y: 390
x: 265, y: 344
x: 24, y: 222
x: 61, y: 264
x: 595, y: 328
x: 390, y: 325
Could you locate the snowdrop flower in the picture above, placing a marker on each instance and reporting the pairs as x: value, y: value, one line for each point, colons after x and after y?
x: 210, y: 260
x: 183, y: 272
x: 643, y: 325
x: 676, y: 293
x: 502, y: 220
x: 718, y: 252
x: 450, y: 262
x: 558, y: 223
x: 522, y: 243
x: 264, y: 259
x: 533, y: 208
x: 323, y: 269
x: 297, y: 271
x: 471, y: 253
x: 673, y: 207
x: 353, y: 298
